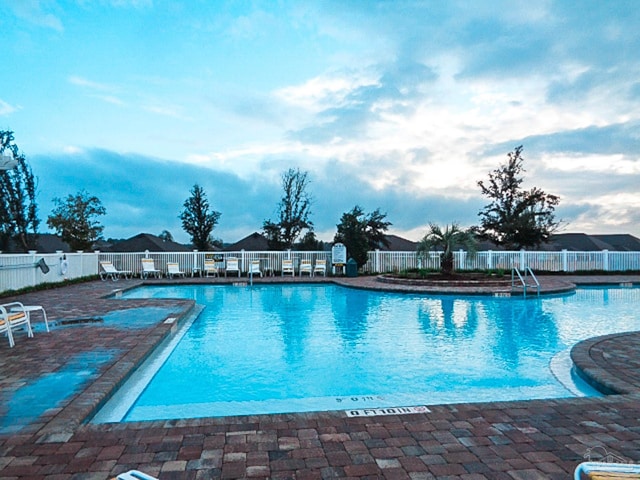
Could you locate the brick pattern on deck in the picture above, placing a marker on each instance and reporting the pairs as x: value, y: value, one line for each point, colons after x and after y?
x: 507, y: 440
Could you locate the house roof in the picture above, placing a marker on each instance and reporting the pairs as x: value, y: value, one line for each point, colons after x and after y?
x: 398, y: 244
x: 574, y: 242
x: 147, y: 241
x: 255, y: 242
x: 620, y: 242
x: 50, y: 243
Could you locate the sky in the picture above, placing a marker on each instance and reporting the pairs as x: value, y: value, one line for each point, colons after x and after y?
x: 401, y: 105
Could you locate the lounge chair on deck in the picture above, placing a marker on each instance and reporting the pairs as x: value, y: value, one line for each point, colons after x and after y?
x: 135, y: 475
x: 173, y: 269
x: 287, y: 267
x: 109, y: 271
x: 606, y: 471
x: 12, y: 316
x: 211, y: 268
x: 149, y: 269
x: 232, y: 266
x: 306, y: 267
x: 320, y: 267
x: 254, y: 268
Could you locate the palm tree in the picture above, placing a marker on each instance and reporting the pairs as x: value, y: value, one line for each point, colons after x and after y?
x: 446, y: 241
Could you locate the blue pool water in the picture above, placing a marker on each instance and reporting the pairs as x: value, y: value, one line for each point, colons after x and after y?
x: 288, y: 348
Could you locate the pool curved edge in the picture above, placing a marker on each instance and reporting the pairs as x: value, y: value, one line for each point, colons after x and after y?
x: 549, y: 285
x: 607, y: 362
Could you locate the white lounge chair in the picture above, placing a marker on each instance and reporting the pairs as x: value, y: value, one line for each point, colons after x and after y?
x: 149, y: 269
x: 320, y: 267
x: 173, y: 269
x: 109, y: 271
x: 254, y: 268
x: 305, y: 267
x: 210, y: 268
x: 31, y: 309
x: 135, y: 475
x: 12, y: 316
x: 287, y: 267
x: 5, y: 328
x: 603, y: 471
x: 232, y: 266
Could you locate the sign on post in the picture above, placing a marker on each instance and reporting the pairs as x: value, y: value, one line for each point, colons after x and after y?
x: 338, y: 256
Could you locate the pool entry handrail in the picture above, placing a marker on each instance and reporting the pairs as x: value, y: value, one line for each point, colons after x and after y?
x: 523, y: 280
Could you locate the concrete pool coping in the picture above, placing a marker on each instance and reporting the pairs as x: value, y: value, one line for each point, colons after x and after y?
x: 530, y: 439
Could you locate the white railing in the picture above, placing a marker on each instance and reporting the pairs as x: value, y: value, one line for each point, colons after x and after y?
x: 19, y: 270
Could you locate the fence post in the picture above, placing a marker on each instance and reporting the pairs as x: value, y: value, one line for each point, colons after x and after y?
x: 242, y: 260
x: 565, y: 260
x: 146, y: 254
x: 490, y: 260
x: 376, y: 265
x: 605, y: 260
x: 34, y: 278
x: 523, y: 259
x: 461, y: 259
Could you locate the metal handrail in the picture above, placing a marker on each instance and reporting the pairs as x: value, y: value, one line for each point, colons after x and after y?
x: 523, y: 281
x: 534, y: 279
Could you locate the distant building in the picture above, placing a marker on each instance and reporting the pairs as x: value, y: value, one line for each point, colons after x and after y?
x: 143, y: 242
x: 398, y: 244
x: 255, y: 242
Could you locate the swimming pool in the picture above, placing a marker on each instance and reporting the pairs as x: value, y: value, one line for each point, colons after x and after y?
x: 295, y: 348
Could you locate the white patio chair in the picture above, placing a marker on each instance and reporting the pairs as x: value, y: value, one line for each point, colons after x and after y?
x: 254, y: 268
x: 5, y: 328
x: 305, y: 267
x: 31, y: 309
x: 211, y: 268
x: 173, y: 269
x: 109, y: 271
x: 287, y: 267
x: 604, y: 470
x: 232, y: 266
x: 320, y: 267
x: 12, y: 316
x: 149, y: 269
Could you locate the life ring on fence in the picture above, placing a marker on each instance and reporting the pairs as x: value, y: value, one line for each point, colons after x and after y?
x: 64, y: 267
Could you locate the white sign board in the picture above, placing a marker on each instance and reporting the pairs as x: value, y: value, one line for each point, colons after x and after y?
x: 339, y: 254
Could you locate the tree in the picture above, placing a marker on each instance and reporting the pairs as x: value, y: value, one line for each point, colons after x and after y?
x: 197, y: 220
x: 360, y: 233
x: 294, y: 210
x: 446, y: 241
x: 74, y: 220
x: 166, y: 236
x: 515, y: 218
x: 310, y: 243
x: 18, y: 208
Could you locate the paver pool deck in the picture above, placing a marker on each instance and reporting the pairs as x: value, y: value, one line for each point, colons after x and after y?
x: 539, y: 439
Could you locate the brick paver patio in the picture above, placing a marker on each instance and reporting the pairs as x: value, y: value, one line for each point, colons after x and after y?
x: 508, y: 440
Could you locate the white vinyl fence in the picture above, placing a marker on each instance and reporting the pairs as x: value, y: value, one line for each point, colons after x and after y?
x: 28, y: 269
x: 20, y: 270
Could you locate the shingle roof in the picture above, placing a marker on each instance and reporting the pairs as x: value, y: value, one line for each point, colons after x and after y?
x: 398, y: 244
x: 147, y: 241
x: 251, y: 243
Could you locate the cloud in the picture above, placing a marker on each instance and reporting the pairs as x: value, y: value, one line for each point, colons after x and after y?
x: 34, y: 12
x: 7, y: 109
x: 619, y: 138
